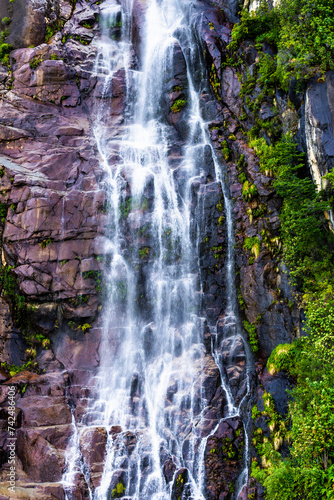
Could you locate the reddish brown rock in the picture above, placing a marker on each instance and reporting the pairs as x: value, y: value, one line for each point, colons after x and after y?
x: 40, y: 460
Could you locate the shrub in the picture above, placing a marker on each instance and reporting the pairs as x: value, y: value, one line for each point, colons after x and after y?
x: 249, y: 191
x: 253, y: 245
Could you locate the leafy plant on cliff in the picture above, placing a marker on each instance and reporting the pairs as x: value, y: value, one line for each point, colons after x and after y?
x: 35, y: 62
x: 300, y: 31
x: 253, y: 244
x: 178, y: 105
x: 309, y: 471
x: 249, y: 191
x: 5, y: 49
x: 253, y: 340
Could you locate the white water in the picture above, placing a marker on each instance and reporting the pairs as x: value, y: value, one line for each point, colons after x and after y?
x: 152, y: 344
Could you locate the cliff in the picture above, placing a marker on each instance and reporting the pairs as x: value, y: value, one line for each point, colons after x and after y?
x: 55, y: 223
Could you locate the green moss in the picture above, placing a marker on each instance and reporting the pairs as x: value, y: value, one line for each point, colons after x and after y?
x: 178, y: 105
x: 118, y: 491
x: 214, y: 81
x: 225, y: 150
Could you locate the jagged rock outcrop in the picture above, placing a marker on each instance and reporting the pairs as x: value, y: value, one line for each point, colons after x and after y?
x: 316, y: 134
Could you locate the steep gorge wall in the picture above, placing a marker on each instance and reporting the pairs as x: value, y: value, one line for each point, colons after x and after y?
x: 53, y: 220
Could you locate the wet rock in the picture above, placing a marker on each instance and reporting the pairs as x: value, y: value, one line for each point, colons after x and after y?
x: 179, y: 484
x: 169, y: 469
x: 93, y: 447
x: 222, y: 457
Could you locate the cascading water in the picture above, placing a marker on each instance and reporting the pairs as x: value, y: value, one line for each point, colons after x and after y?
x: 153, y: 358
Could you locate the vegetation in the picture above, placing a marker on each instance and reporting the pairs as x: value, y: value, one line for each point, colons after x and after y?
x: 252, y: 334
x: 301, y: 31
x: 118, y: 491
x: 253, y: 245
x: 308, y: 472
x: 178, y: 105
x: 5, y: 49
x: 35, y: 62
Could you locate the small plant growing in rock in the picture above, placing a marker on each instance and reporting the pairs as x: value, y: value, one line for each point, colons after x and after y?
x: 30, y: 353
x: 5, y: 48
x: 46, y: 344
x: 242, y: 177
x: 45, y: 243
x: 178, y: 105
x: 249, y: 191
x: 6, y: 21
x: 118, y: 491
x: 35, y: 62
x: 125, y: 208
x: 253, y: 245
x: 225, y: 150
x: 84, y: 327
x: 253, y: 340
x: 144, y: 252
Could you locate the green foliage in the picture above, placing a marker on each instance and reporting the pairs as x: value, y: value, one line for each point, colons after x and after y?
x: 302, y: 32
x: 253, y: 244
x: 309, y: 471
x: 118, y: 491
x: 46, y: 242
x: 3, y: 211
x: 262, y: 26
x: 82, y: 40
x: 54, y: 57
x: 144, y: 252
x: 249, y: 191
x: 49, y: 32
x: 320, y: 327
x: 178, y: 105
x: 253, y: 340
x: 84, y: 327
x: 5, y: 49
x: 35, y: 62
x: 225, y: 150
x: 306, y: 241
x: 97, y: 277
x: 307, y: 37
x: 125, y: 208
x: 9, y: 285
x: 6, y: 21
x: 14, y: 369
x: 214, y: 81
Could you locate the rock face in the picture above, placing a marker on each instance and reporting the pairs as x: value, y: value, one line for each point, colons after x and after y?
x: 52, y: 226
x: 316, y: 130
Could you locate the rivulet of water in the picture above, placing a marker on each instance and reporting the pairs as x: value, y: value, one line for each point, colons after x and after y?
x: 152, y: 357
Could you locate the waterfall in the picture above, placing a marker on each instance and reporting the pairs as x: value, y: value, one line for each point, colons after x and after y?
x: 154, y: 359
